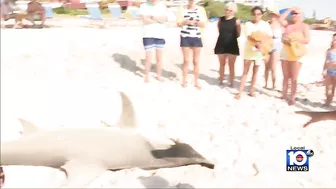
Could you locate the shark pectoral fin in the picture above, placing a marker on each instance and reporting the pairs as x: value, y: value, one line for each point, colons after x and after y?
x: 80, y: 172
x: 127, y: 117
x: 28, y: 127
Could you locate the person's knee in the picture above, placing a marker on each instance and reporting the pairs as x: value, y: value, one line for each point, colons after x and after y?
x: 158, y: 58
x: 186, y: 60
x: 195, y: 61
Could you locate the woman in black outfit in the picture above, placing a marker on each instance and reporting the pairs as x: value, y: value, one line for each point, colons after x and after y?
x: 227, y: 43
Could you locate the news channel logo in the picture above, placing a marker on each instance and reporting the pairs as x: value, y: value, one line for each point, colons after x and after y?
x: 298, y: 159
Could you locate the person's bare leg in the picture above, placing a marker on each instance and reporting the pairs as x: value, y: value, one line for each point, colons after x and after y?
x: 30, y: 17
x: 232, y: 61
x: 247, y: 65
x: 196, y: 61
x: 284, y: 66
x: 254, y: 79
x: 148, y: 63
x: 4, y: 18
x: 328, y: 85
x: 159, y: 58
x: 43, y: 18
x: 333, y: 89
x: 295, y: 70
x: 267, y: 70
x: 185, y: 67
x: 222, y: 61
x: 274, y: 61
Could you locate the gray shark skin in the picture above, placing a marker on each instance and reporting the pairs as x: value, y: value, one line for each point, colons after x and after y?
x: 85, y: 153
x: 317, y: 116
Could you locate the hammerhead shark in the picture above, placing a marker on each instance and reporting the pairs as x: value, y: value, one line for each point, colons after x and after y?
x: 85, y: 153
x: 317, y: 116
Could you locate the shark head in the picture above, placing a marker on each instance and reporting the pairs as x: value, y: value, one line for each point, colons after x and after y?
x: 181, y: 152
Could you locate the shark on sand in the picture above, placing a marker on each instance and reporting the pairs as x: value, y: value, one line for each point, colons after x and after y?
x: 85, y: 153
x: 317, y: 116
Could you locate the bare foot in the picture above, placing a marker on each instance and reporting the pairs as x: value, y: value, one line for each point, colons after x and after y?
x: 184, y: 85
x: 283, y: 98
x: 159, y: 79
x: 252, y: 94
x: 328, y: 101
x: 17, y: 27
x: 291, y: 102
x: 198, y: 87
x: 273, y: 88
x: 231, y: 85
x: 237, y: 96
x: 221, y: 81
x: 146, y: 80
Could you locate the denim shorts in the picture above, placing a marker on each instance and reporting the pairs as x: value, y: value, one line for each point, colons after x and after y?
x: 191, y: 42
x: 150, y: 43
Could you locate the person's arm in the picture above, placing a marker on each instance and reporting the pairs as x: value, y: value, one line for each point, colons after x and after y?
x: 203, y: 17
x: 268, y: 29
x: 325, y: 64
x: 29, y: 8
x: 238, y: 26
x: 283, y: 16
x: 248, y: 32
x: 180, y: 19
x: 146, y: 18
x: 41, y: 8
x: 306, y: 35
x: 164, y: 17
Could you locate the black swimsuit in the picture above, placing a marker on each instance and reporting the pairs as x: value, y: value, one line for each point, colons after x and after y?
x: 227, y: 42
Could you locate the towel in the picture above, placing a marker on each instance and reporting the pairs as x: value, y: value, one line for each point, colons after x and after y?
x: 293, y: 49
x: 265, y: 39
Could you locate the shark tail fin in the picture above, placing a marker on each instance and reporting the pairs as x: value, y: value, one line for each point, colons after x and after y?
x: 27, y: 127
x: 307, y: 113
x: 128, y: 117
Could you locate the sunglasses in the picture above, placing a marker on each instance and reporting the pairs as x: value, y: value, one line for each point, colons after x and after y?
x: 295, y: 13
x: 257, y: 14
x: 228, y: 10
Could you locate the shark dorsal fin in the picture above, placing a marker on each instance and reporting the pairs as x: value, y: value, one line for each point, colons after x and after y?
x: 27, y: 127
x: 127, y: 118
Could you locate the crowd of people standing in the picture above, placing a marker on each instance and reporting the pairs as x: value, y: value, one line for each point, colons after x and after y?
x: 289, y: 40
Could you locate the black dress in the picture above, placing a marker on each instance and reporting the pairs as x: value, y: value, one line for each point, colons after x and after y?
x: 227, y: 40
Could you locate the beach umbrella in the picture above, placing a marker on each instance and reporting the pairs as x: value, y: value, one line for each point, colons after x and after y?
x: 290, y: 14
x: 284, y: 10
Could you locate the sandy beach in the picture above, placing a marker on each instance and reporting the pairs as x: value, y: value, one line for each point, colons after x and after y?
x: 69, y: 77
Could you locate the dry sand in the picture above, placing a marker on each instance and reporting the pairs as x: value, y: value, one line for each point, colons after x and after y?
x: 68, y: 77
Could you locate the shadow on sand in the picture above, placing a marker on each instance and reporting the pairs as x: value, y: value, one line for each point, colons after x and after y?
x: 211, y: 80
x: 159, y: 182
x: 128, y: 64
x: 301, y: 102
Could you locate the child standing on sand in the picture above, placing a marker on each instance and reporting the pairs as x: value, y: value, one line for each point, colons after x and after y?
x: 329, y: 71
